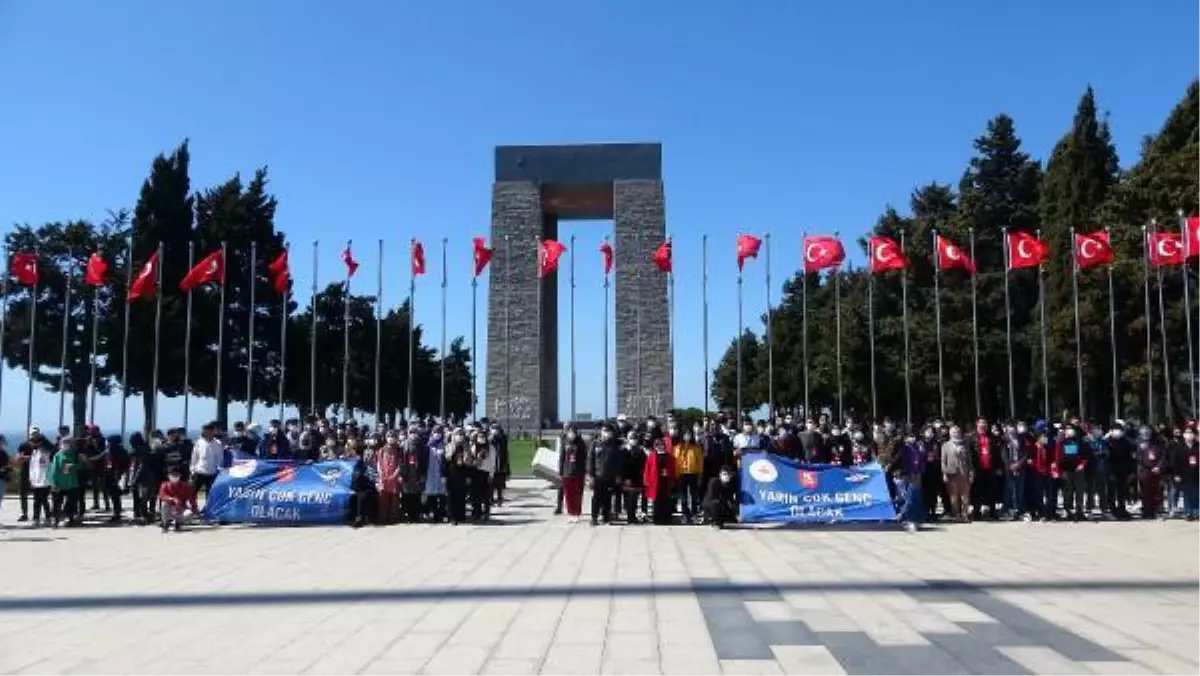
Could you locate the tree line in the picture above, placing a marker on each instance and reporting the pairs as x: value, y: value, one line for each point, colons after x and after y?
x: 1081, y: 186
x: 238, y: 213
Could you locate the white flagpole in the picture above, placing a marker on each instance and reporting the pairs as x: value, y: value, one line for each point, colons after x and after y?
x: 33, y: 299
x: 378, y: 329
x: 250, y: 333
x: 283, y: 322
x: 1168, y: 405
x: 704, y: 318
x: 770, y: 350
x: 1112, y: 338
x: 904, y: 316
x: 1187, y: 317
x: 871, y: 332
x: 412, y: 323
x: 158, y: 277
x: 804, y: 322
x: 1149, y: 324
x: 937, y: 319
x: 1012, y: 395
x: 4, y: 319
x: 125, y: 335
x: 312, y: 364
x: 1045, y: 361
x: 738, y: 399
x: 442, y: 396
x: 187, y: 341
x: 220, y: 330
x: 1078, y: 342
x: 572, y: 313
x: 66, y: 333
x: 975, y: 328
x: 345, y: 412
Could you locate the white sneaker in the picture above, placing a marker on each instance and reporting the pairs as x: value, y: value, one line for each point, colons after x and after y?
x: 910, y: 527
x: 1026, y: 518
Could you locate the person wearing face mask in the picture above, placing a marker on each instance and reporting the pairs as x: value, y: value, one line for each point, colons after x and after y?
x: 933, y: 486
x: 481, y: 482
x: 457, y: 473
x: 862, y: 451
x: 1175, y: 466
x: 689, y: 463
x: 887, y: 444
x: 1187, y: 470
x: 413, y: 465
x: 387, y: 484
x: 275, y: 444
x: 572, y: 467
x: 837, y: 447
x: 659, y: 480
x: 986, y: 455
x: 435, y: 484
x: 1074, y: 454
x: 1149, y: 471
x: 1098, y: 471
x: 718, y: 452
x: 632, y: 476
x: 603, y: 467
x: 176, y: 501
x: 1122, y: 469
x: 1013, y: 459
x: 956, y: 472
x: 721, y: 499
x: 812, y: 446
x: 498, y: 442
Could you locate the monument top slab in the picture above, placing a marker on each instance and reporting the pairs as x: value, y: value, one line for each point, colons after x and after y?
x: 596, y: 163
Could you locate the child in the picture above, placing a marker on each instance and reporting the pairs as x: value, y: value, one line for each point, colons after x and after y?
x: 176, y: 501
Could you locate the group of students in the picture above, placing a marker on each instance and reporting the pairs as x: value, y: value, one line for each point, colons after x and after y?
x: 422, y: 471
x: 1013, y: 470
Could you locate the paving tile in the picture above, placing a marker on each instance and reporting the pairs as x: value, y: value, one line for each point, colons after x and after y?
x: 406, y: 667
x: 689, y: 665
x: 747, y: 667
x: 513, y: 667
x: 1039, y: 660
x: 632, y: 667
x: 806, y: 659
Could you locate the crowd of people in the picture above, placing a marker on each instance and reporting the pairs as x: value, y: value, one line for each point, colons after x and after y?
x: 637, y: 471
x: 423, y: 471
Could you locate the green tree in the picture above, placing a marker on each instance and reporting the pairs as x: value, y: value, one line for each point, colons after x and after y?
x: 724, y: 384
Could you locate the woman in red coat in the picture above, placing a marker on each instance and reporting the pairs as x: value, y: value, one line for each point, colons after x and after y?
x: 659, y: 478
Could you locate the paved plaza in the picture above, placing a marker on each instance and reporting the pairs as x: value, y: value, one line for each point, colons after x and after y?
x: 530, y: 593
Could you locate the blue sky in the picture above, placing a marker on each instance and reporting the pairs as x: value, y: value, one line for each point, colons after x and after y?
x: 378, y: 119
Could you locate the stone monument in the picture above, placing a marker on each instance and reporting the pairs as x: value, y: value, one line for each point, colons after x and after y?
x: 535, y: 188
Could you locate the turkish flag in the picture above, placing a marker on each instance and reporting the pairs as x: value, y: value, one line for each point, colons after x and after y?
x: 211, y: 269
x: 418, y: 258
x: 24, y: 267
x: 146, y: 281
x: 886, y: 254
x: 280, y: 274
x: 1092, y: 249
x: 747, y: 247
x: 822, y: 251
x: 1166, y: 248
x: 606, y: 252
x: 548, y: 254
x: 662, y: 256
x: 483, y: 255
x: 348, y: 259
x: 1191, y: 236
x: 95, y: 273
x: 949, y: 256
x: 1026, y: 251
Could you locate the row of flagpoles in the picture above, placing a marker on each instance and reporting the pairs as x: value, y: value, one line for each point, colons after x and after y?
x: 1022, y: 250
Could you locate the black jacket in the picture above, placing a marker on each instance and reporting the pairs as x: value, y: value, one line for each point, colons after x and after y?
x: 573, y: 459
x: 605, y: 459
x: 633, y: 465
x: 811, y: 445
x: 718, y: 452
x: 414, y: 461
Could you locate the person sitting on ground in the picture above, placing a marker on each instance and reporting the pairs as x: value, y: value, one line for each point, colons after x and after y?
x: 176, y: 501
x: 720, y: 499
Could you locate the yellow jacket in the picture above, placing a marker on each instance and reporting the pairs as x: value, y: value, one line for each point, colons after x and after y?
x: 689, y: 459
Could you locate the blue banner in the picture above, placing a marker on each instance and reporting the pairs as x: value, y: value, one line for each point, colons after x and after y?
x: 775, y: 489
x: 281, y: 492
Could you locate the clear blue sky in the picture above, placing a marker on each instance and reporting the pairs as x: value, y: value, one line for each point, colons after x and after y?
x: 378, y: 119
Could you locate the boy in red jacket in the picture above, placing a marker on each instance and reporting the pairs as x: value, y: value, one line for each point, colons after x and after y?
x: 176, y: 501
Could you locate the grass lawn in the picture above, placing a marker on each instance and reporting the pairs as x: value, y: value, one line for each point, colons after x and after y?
x: 520, y: 456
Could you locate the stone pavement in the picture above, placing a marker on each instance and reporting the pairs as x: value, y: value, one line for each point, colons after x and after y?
x: 530, y: 593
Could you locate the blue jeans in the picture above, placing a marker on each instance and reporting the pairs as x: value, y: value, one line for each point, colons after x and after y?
x: 1191, y: 500
x: 1173, y: 496
x: 914, y: 506
x: 1014, y: 494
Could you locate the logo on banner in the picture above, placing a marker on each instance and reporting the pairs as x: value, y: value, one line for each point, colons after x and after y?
x: 763, y: 471
x: 331, y: 475
x: 285, y: 474
x: 807, y: 479
x: 242, y: 469
x: 856, y: 477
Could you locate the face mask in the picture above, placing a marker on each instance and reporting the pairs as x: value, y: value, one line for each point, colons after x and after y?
x: 1022, y: 429
x: 1118, y: 433
x: 725, y: 478
x: 175, y: 478
x: 570, y: 436
x: 928, y: 434
x: 1144, y: 435
x: 748, y: 429
x: 857, y: 436
x: 687, y: 437
x: 606, y: 436
x: 889, y: 428
x: 1188, y: 437
x: 835, y: 432
x: 652, y: 424
x: 879, y: 437
x: 1070, y: 433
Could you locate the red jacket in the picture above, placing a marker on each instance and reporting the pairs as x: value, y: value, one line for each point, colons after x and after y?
x: 180, y: 491
x: 659, y: 471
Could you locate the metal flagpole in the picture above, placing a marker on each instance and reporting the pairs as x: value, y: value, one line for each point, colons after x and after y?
x: 904, y: 319
x: 738, y: 399
x: 572, y: 311
x: 66, y: 332
x: 1112, y: 339
x: 125, y: 336
x: 837, y: 322
x: 508, y: 267
x: 541, y: 282
x: 1149, y: 324
x: 937, y: 320
x: 1012, y: 395
x: 312, y: 364
x: 283, y: 322
x: 187, y: 341
x: 474, y: 349
x: 95, y: 342
x: 1045, y: 361
x: 637, y: 268
x: 442, y: 396
x: 4, y: 324
x: 1187, y: 316
x: 379, y: 330
x: 671, y: 310
x: 975, y: 327
x: 1168, y: 406
x: 871, y: 337
x: 250, y: 333
x: 606, y: 301
x: 346, y: 343
x: 770, y: 350
x: 804, y: 324
x: 157, y: 336
x: 1078, y: 344
x: 704, y: 312
x: 412, y: 322
x: 220, y: 331
x: 33, y: 299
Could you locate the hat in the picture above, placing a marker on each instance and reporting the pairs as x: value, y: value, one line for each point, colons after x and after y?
x: 35, y: 431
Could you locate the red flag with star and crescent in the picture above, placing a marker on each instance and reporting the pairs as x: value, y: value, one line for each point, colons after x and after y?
x: 662, y: 256
x: 210, y: 269
x: 1026, y: 251
x: 1191, y: 237
x: 606, y: 252
x: 348, y: 260
x: 23, y: 266
x: 146, y: 282
x: 1092, y: 249
x: 483, y: 255
x: 280, y: 274
x: 950, y: 256
x: 1166, y: 248
x: 822, y: 251
x: 886, y: 254
x: 747, y: 247
x: 418, y: 258
x: 549, y: 251
x: 95, y: 273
